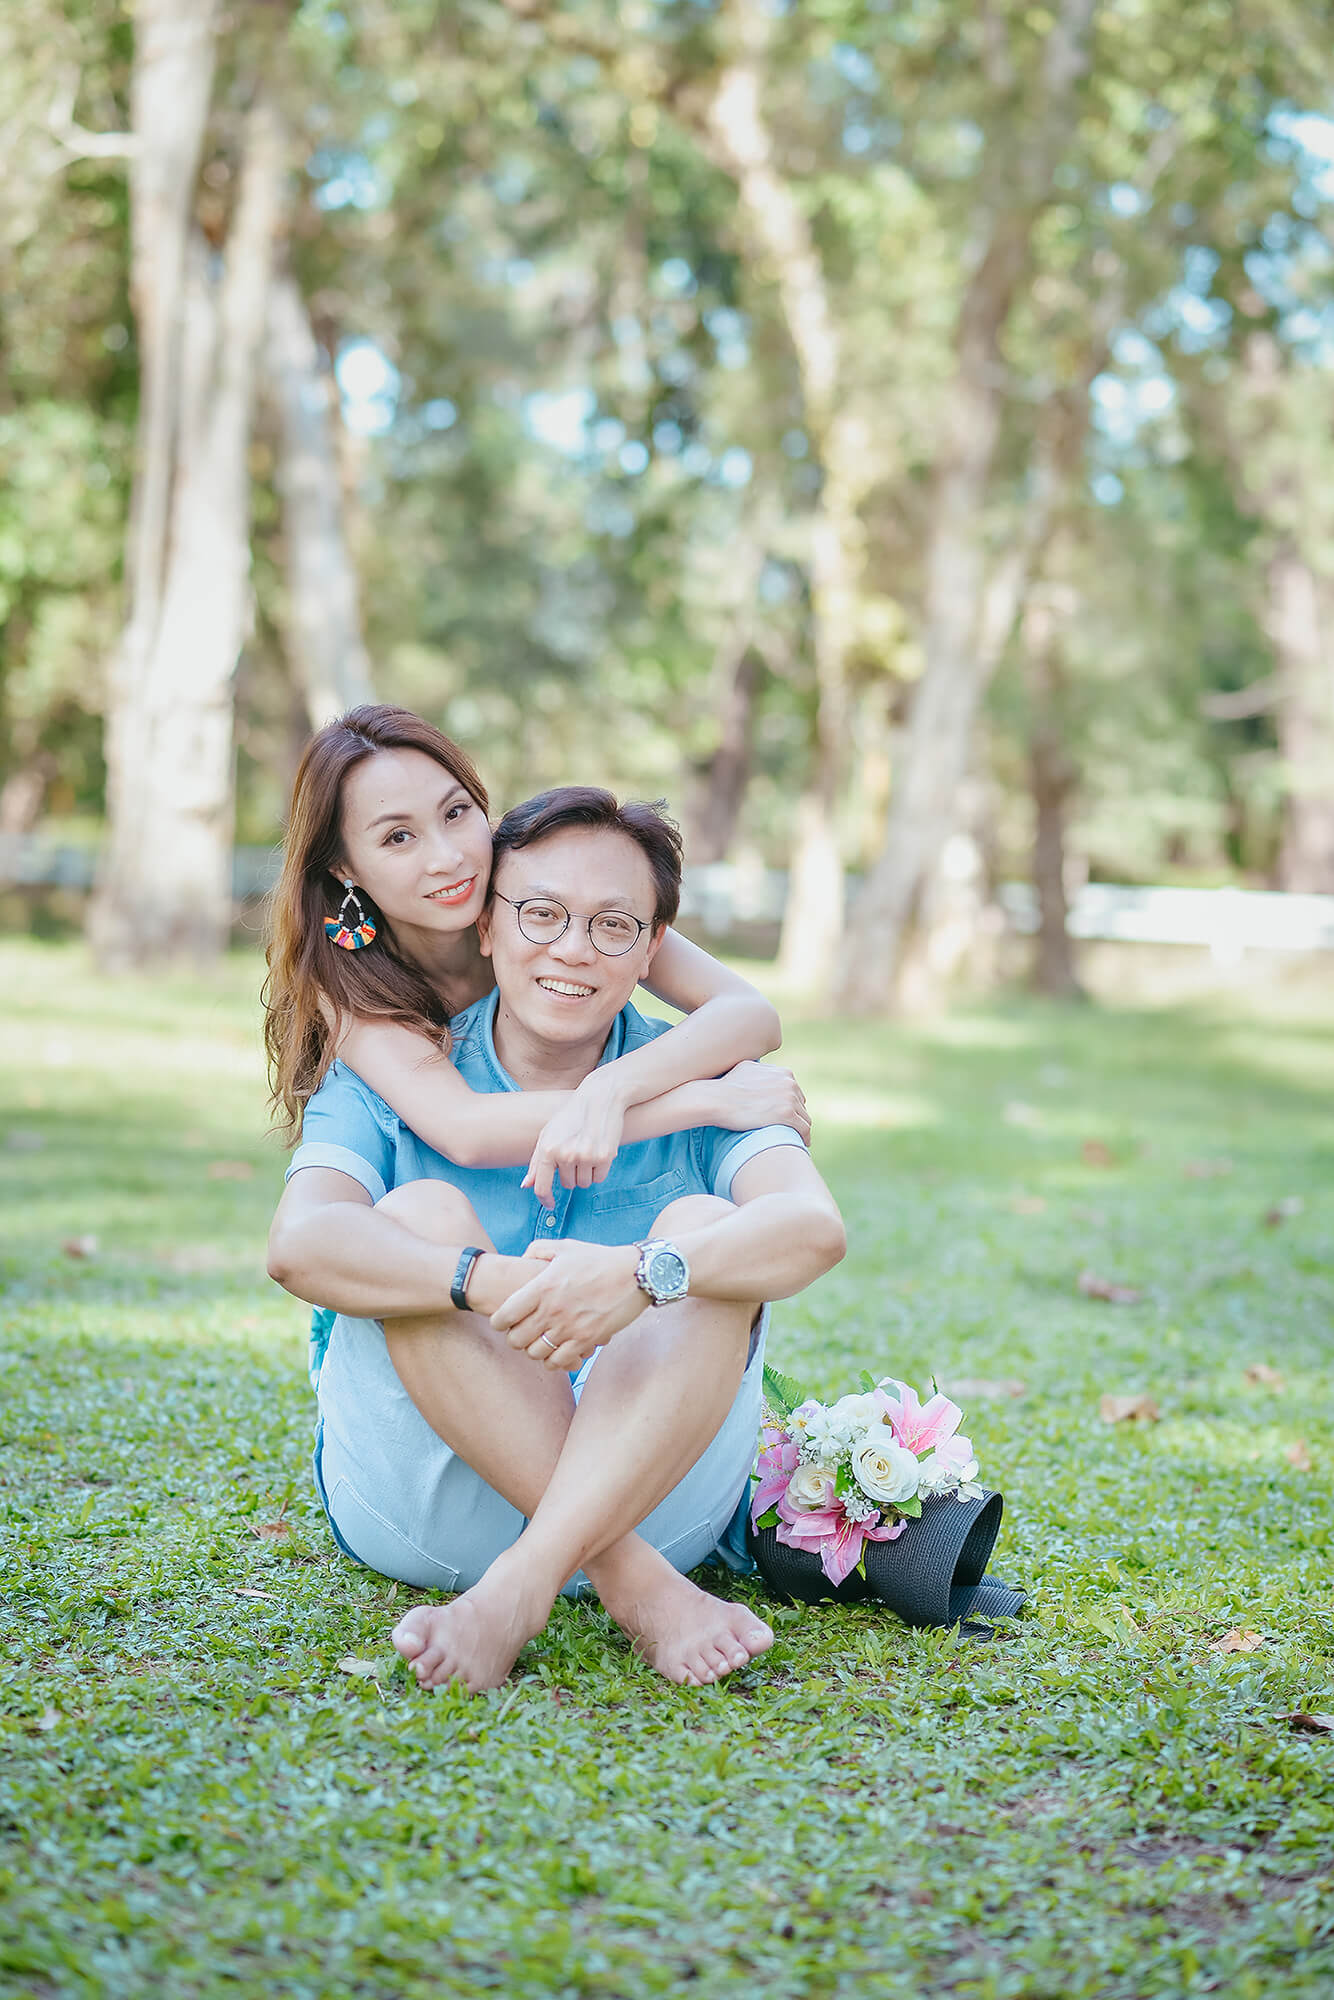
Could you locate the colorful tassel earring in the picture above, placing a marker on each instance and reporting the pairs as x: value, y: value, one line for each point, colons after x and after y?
x: 350, y: 934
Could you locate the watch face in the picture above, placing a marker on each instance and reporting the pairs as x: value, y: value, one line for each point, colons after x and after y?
x: 666, y: 1272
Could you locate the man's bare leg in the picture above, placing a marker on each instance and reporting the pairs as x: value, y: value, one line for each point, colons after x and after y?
x: 652, y: 1406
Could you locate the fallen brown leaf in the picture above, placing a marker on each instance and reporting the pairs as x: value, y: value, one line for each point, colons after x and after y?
x: 230, y: 1170
x: 1207, y: 1170
x: 1291, y: 1204
x: 1261, y: 1373
x: 1129, y: 1410
x: 978, y: 1389
x: 271, y: 1531
x: 1096, y: 1153
x: 80, y: 1247
x: 1298, y: 1456
x: 1094, y: 1287
x: 1307, y: 1724
x: 362, y: 1670
x: 46, y: 1721
x: 267, y: 1595
x: 1240, y: 1640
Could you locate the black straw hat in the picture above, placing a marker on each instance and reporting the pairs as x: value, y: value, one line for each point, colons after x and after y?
x: 934, y: 1573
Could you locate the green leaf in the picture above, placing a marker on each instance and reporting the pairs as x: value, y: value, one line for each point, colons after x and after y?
x: 842, y: 1480
x: 912, y: 1508
x: 867, y: 1381
x: 768, y: 1519
x: 781, y: 1393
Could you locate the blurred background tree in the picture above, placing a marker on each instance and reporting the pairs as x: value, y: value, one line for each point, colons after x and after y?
x: 898, y: 434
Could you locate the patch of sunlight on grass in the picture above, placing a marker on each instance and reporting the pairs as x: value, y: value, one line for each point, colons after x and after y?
x: 979, y: 1031
x: 880, y: 1110
x: 1221, y: 1442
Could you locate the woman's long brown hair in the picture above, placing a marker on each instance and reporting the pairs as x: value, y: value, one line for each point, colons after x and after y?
x: 311, y: 983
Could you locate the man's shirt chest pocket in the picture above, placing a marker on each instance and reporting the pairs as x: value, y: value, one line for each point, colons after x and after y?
x: 624, y: 1214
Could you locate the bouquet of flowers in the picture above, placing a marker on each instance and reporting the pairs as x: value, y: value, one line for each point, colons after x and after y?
x: 834, y: 1476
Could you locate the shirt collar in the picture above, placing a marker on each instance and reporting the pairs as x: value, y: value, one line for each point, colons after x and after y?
x: 484, y: 1024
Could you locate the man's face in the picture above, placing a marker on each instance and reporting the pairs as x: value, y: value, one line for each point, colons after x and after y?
x: 566, y: 991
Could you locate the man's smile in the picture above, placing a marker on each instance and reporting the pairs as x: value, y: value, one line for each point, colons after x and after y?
x: 568, y: 989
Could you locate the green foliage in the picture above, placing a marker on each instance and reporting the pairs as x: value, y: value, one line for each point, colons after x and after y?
x: 781, y: 1393
x: 195, y: 1800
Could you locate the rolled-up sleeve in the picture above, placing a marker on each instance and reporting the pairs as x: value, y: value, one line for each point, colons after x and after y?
x: 726, y: 1153
x: 345, y: 1127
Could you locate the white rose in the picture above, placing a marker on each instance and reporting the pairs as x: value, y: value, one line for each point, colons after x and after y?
x: 883, y: 1468
x: 856, y: 1413
x: 806, y: 1488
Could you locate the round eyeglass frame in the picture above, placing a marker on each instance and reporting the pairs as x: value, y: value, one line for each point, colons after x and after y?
x: 588, y: 923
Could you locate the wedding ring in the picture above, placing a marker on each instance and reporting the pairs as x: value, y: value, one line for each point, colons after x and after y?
x: 548, y: 1343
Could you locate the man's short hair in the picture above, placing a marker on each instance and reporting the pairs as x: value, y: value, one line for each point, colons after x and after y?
x: 589, y: 806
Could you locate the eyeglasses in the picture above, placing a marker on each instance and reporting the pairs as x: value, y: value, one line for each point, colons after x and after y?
x: 611, y: 932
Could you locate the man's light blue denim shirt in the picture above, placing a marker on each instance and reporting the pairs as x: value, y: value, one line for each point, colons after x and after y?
x: 348, y: 1127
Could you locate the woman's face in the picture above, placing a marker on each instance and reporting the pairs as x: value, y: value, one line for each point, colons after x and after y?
x: 416, y: 841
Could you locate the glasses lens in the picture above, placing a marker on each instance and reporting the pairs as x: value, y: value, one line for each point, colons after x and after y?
x: 613, y: 932
x: 540, y: 922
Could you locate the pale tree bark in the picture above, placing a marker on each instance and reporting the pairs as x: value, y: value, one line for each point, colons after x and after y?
x: 1053, y: 777
x: 322, y: 627
x: 945, y: 707
x: 165, y: 891
x: 778, y: 238
x: 171, y: 85
x: 1300, y: 626
x: 1268, y: 435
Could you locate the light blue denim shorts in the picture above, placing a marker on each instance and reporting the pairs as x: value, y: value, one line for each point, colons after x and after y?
x: 401, y: 1502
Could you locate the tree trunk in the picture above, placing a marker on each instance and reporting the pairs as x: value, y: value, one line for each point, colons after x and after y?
x: 813, y: 913
x: 940, y: 731
x: 779, y: 239
x: 719, y: 787
x: 323, y: 623
x: 166, y: 890
x: 170, y: 88
x: 1299, y: 628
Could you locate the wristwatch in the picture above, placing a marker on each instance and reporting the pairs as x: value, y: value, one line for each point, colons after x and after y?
x: 662, y: 1272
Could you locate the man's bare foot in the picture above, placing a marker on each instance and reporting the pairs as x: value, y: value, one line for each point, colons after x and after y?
x: 687, y: 1635
x: 476, y: 1639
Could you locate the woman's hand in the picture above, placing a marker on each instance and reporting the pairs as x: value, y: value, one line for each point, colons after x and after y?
x: 756, y: 1093
x: 578, y: 1142
x: 586, y: 1294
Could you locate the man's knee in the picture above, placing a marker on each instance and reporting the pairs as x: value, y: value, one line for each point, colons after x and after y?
x: 692, y: 1211
x: 435, y: 1210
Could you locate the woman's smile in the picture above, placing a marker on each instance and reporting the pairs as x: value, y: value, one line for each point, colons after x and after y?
x: 453, y: 892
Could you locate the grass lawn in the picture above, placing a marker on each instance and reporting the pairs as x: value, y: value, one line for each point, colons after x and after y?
x: 196, y: 1800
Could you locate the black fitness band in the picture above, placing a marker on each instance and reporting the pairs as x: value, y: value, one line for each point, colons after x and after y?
x: 458, y: 1291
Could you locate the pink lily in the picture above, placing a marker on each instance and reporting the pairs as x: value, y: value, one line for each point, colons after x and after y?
x: 833, y: 1537
x: 777, y: 1462
x: 920, y: 1427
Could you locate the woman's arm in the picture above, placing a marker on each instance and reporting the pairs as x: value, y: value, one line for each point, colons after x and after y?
x: 727, y: 1022
x: 667, y: 1086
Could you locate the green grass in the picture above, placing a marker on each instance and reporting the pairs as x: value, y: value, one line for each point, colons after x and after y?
x: 194, y: 1800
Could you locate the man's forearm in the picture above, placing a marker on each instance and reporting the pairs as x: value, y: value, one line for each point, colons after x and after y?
x: 368, y: 1266
x: 769, y: 1248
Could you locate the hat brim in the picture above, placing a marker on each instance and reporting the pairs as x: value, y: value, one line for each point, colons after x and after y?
x: 934, y: 1573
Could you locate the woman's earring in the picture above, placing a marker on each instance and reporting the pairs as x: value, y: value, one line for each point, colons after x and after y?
x: 353, y: 934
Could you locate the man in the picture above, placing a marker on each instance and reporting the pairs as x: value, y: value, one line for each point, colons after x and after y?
x: 454, y: 1447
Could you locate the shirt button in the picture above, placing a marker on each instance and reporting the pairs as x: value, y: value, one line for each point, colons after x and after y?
x: 548, y: 1222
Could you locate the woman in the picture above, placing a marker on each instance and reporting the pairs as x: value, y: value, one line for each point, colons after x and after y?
x: 384, y: 1010
x: 390, y: 817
